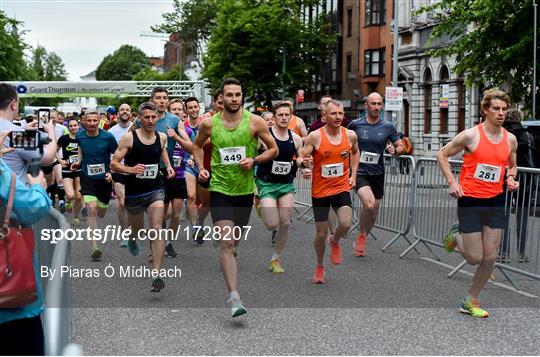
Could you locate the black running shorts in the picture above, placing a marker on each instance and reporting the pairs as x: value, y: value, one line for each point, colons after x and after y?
x: 321, y: 206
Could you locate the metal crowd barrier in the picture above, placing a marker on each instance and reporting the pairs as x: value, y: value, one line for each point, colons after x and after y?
x: 520, y: 245
x: 434, y: 211
x: 302, y: 198
x: 57, y: 317
x: 396, y: 209
x: 417, y: 203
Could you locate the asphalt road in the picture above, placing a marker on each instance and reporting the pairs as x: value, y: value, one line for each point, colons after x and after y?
x: 378, y: 304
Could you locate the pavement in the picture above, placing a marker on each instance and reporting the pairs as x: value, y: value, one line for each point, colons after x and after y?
x: 378, y: 304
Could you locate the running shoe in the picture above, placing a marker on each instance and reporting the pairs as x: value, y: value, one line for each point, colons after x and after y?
x: 274, y: 233
x: 84, y: 212
x: 200, y: 237
x: 169, y: 250
x: 62, y: 206
x: 123, y: 243
x: 335, y: 250
x: 258, y: 209
x: 157, y: 285
x: 472, y: 307
x: 96, y: 253
x: 450, y: 238
x: 275, y: 267
x: 237, y: 308
x: 359, y: 245
x: 133, y: 247
x: 523, y: 258
x: 318, y: 277
x: 69, y: 206
x: 75, y: 221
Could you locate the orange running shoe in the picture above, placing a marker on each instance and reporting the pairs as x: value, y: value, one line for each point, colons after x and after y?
x: 318, y: 277
x: 335, y: 250
x: 360, y: 245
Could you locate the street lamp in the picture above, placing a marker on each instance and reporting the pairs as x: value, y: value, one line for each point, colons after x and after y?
x: 535, y: 9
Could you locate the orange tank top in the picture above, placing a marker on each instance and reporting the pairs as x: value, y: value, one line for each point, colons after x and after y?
x: 293, y: 125
x: 331, y: 166
x: 483, y: 171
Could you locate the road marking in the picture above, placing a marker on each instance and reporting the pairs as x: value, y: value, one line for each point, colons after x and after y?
x: 504, y: 286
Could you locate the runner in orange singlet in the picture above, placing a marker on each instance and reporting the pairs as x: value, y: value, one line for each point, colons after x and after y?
x: 489, y: 148
x: 335, y: 156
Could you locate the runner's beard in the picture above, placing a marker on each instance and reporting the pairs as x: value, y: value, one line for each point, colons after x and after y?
x: 230, y: 110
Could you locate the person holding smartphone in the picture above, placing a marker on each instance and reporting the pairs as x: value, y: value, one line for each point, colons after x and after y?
x: 19, y: 160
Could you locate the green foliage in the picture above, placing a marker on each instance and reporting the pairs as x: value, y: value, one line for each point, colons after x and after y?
x: 498, y: 49
x: 150, y: 74
x: 146, y: 74
x: 193, y: 20
x: 122, y: 65
x: 46, y: 66
x: 248, y: 42
x: 12, y: 63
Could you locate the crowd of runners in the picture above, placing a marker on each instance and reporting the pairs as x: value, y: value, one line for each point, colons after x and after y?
x: 165, y: 154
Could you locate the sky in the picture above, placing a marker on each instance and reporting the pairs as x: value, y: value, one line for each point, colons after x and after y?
x: 82, y: 32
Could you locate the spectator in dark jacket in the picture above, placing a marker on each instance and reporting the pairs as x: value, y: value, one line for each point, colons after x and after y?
x: 525, y: 158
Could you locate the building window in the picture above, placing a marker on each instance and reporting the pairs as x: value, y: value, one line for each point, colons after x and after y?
x: 375, y: 12
x: 349, y: 22
x: 427, y: 101
x: 349, y: 63
x: 406, y: 38
x: 444, y: 100
x: 374, y: 62
x: 461, y: 106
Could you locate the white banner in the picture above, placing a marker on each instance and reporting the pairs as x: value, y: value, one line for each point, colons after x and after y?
x: 393, y: 99
x: 63, y: 88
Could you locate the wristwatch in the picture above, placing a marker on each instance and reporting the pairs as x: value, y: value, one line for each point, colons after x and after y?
x: 255, y: 161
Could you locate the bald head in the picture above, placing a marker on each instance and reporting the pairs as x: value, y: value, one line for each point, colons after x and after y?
x: 374, y: 105
x: 124, y: 112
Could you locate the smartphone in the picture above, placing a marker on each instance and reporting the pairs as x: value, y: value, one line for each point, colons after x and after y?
x: 26, y: 139
x: 43, y: 117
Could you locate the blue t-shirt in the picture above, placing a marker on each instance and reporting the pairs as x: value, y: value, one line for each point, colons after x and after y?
x: 96, y: 151
x: 161, y: 127
x: 372, y: 138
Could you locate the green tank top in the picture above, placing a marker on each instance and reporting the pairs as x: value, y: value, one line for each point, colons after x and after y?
x: 229, y: 146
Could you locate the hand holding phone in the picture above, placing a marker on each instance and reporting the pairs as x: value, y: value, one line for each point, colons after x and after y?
x: 43, y: 118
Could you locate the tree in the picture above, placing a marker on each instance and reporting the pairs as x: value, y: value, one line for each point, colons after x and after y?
x: 123, y: 64
x: 150, y: 74
x: 54, y: 68
x: 497, y: 50
x: 193, y: 21
x: 250, y: 38
x: 46, y: 66
x: 13, y: 66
